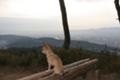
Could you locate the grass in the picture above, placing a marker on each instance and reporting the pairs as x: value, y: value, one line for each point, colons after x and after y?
x: 33, y: 58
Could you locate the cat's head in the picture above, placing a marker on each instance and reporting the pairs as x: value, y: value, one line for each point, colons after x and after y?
x: 45, y: 48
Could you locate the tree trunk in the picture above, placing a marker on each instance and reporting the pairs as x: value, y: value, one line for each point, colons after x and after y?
x: 117, y: 8
x: 65, y: 24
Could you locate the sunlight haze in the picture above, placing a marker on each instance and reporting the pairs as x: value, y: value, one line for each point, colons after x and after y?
x: 82, y: 14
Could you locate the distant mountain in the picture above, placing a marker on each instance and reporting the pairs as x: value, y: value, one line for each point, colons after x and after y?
x: 108, y: 36
x: 10, y: 41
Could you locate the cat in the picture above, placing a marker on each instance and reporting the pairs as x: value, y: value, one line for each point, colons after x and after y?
x: 53, y: 60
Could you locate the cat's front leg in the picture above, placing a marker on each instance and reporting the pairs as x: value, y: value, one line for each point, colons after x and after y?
x: 49, y: 66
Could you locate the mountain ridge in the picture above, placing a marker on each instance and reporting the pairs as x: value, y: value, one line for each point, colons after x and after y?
x: 14, y: 41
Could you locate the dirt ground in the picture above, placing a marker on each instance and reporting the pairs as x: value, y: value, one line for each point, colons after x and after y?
x: 7, y: 73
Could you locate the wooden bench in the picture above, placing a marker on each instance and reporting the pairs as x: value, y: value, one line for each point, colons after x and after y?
x: 71, y: 71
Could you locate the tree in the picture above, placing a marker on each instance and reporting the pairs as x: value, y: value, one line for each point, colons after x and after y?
x: 117, y: 6
x: 65, y: 24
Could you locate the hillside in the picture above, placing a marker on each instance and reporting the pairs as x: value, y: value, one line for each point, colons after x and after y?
x: 10, y: 41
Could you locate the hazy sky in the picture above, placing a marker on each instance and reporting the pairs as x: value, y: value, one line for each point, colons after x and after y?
x: 82, y: 14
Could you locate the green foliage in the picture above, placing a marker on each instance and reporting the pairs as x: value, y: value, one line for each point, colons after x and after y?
x: 108, y: 62
x: 21, y: 58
